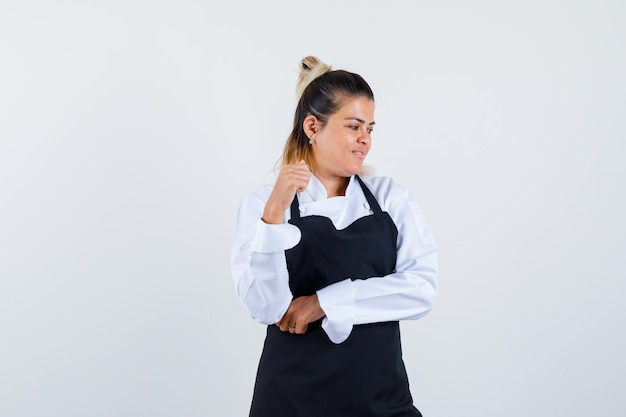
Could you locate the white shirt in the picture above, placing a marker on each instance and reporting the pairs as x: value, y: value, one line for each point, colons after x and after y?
x: 259, y: 266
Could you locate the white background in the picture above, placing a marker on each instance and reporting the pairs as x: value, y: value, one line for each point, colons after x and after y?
x: 130, y: 130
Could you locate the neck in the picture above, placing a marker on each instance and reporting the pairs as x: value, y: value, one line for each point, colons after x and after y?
x: 335, y: 186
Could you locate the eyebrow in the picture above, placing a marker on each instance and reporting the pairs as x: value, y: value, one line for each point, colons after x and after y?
x: 358, y: 120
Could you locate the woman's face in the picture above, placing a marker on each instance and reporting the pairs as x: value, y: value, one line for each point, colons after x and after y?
x: 340, y: 147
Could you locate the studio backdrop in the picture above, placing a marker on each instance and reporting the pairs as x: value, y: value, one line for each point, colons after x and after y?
x: 130, y: 130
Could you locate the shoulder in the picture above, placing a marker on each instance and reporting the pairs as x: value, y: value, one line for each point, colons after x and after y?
x: 398, y: 201
x: 257, y: 196
x: 386, y: 190
x: 262, y: 191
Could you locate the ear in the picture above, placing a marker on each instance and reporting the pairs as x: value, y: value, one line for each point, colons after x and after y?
x: 310, y: 125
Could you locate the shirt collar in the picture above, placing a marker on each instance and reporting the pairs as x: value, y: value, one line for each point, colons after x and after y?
x: 315, y: 190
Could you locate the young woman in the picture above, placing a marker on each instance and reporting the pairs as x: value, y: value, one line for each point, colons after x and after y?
x: 331, y: 261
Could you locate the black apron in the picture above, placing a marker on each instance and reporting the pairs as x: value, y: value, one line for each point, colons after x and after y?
x: 310, y: 376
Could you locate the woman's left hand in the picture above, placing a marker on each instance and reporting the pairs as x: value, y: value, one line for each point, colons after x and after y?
x: 302, y: 311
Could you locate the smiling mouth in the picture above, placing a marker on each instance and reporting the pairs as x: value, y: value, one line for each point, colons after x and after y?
x: 359, y: 154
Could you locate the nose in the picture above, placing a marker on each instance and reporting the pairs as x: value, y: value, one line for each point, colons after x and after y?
x: 365, y: 136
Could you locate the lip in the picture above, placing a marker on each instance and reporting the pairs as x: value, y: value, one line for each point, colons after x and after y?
x: 359, y: 154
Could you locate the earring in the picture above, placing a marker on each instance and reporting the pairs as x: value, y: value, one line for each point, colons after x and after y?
x: 310, y: 141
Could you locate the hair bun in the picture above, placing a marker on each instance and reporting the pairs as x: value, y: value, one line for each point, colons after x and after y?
x: 311, y: 67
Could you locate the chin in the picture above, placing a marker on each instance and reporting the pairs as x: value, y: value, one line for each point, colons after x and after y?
x: 353, y: 170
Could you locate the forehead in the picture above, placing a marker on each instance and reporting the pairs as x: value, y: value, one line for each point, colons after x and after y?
x: 360, y: 107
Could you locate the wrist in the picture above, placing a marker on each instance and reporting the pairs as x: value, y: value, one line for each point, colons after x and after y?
x: 272, y: 216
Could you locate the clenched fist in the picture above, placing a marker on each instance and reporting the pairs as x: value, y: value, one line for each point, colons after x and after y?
x: 291, y: 179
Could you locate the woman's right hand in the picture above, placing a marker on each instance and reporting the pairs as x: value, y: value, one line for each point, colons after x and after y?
x: 291, y: 179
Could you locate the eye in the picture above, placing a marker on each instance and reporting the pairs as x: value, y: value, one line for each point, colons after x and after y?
x: 353, y: 127
x: 369, y: 131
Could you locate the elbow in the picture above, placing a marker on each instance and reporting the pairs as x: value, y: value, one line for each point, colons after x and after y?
x: 424, y: 301
x: 429, y: 301
x: 260, y: 304
x: 427, y: 288
x: 264, y: 317
x: 263, y: 311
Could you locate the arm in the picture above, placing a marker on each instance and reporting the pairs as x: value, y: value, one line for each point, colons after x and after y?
x: 408, y: 293
x: 261, y: 238
x: 258, y: 261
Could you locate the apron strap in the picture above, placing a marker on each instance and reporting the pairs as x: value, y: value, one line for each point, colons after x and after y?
x: 371, y: 200
x: 295, y: 208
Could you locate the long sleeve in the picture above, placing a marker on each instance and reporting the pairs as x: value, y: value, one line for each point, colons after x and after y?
x: 259, y: 266
x: 258, y: 260
x: 408, y: 293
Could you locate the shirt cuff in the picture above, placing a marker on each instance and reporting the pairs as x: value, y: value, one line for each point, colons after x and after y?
x: 270, y: 238
x: 337, y: 301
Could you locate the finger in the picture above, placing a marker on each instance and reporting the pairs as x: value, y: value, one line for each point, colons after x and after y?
x: 284, y: 326
x: 285, y: 322
x: 301, y: 328
x: 301, y: 169
x: 301, y: 180
x: 302, y: 176
x: 293, y: 179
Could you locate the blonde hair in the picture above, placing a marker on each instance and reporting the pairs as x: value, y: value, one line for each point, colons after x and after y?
x: 320, y: 91
x: 310, y: 68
